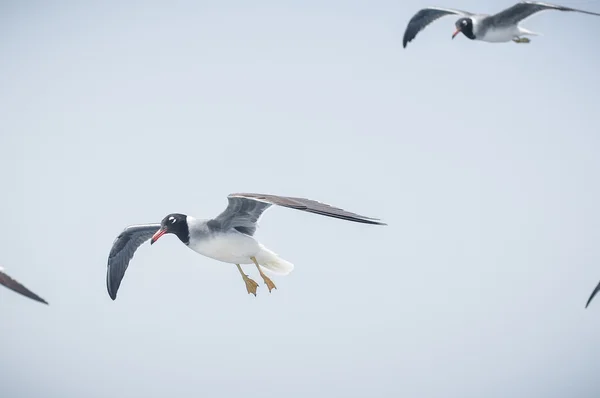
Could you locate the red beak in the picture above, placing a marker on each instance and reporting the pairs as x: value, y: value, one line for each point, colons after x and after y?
x: 157, y: 235
x: 455, y: 33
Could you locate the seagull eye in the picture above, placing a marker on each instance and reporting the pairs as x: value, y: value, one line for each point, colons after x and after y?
x: 172, y: 219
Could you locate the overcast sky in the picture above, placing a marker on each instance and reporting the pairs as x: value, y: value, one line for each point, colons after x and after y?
x: 482, y: 158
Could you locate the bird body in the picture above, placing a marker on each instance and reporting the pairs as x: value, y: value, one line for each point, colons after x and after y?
x: 501, y: 34
x: 484, y: 29
x: 233, y: 247
x: 227, y: 246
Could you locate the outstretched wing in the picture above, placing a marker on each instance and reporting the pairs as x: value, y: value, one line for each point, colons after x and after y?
x: 245, y: 209
x: 425, y: 17
x: 515, y: 14
x: 596, y: 290
x: 13, y: 285
x: 122, y: 252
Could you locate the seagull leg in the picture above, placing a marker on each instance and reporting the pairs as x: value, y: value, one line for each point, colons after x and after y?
x: 267, y: 280
x: 523, y: 40
x: 250, y: 284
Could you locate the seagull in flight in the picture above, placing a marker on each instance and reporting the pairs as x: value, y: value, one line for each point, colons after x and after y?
x: 228, y: 238
x: 13, y: 285
x: 498, y: 28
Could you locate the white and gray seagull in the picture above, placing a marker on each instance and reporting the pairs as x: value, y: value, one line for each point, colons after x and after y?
x: 498, y: 28
x: 15, y: 286
x: 229, y: 237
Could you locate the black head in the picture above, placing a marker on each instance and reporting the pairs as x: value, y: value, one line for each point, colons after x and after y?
x: 176, y: 224
x: 464, y: 25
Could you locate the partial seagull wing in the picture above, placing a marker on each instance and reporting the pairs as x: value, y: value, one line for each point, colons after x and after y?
x: 241, y: 213
x: 425, y: 17
x: 245, y: 209
x: 515, y: 14
x: 15, y: 286
x: 122, y: 252
x: 596, y: 290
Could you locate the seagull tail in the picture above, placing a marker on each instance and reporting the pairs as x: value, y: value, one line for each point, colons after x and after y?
x: 529, y: 32
x: 273, y: 263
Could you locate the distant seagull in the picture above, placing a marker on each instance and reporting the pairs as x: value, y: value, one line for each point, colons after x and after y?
x: 228, y: 238
x: 12, y: 284
x: 596, y: 290
x: 497, y: 28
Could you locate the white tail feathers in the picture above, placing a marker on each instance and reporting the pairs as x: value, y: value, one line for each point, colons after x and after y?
x: 528, y: 32
x: 273, y: 263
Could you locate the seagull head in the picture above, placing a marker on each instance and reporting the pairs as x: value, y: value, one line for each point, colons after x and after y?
x: 173, y: 223
x: 464, y: 25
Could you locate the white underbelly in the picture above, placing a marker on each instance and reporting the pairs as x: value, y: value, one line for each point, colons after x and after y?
x: 233, y: 248
x: 501, y: 35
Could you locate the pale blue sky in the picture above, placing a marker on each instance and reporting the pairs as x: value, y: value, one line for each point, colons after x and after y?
x: 483, y: 159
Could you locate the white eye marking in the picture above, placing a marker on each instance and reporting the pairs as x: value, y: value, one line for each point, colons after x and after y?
x: 172, y: 219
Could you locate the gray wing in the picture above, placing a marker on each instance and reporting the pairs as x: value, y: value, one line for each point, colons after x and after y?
x: 245, y: 209
x: 425, y: 17
x: 15, y: 286
x: 525, y: 9
x: 122, y: 252
x: 241, y: 213
x: 596, y: 290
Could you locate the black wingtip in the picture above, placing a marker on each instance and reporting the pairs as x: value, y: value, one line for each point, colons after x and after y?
x: 596, y: 290
x: 111, y: 294
x: 37, y: 298
x: 377, y: 221
x: 590, y: 300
